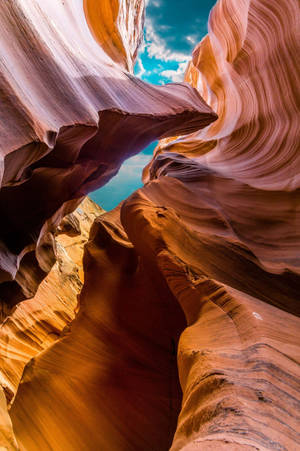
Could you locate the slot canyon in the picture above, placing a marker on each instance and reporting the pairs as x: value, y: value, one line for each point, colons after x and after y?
x: 170, y: 322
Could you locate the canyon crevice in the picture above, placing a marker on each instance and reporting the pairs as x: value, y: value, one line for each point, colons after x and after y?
x: 172, y: 321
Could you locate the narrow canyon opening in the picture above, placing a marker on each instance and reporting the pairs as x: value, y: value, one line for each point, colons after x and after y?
x: 212, y: 232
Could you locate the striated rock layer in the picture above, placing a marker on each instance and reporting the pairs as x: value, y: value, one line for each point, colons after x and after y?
x: 202, y: 262
x: 70, y: 116
x: 114, y: 375
x: 237, y: 358
x: 36, y: 324
x: 232, y: 193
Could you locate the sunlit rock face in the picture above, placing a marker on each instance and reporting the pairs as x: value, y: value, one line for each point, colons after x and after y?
x: 70, y: 115
x: 114, y: 374
x: 202, y: 263
x: 250, y: 79
x: 118, y: 27
x: 34, y: 325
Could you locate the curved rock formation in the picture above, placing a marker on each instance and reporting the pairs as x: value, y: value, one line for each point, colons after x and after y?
x: 70, y: 117
x: 118, y: 27
x: 250, y: 78
x: 244, y: 169
x: 36, y: 324
x: 203, y: 261
x: 238, y: 359
x: 114, y: 374
x: 235, y: 188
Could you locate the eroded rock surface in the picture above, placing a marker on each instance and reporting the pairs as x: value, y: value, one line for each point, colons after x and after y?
x: 35, y: 324
x: 115, y: 373
x: 202, y: 262
x: 70, y: 115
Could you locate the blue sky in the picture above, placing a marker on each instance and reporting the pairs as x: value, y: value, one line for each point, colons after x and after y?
x: 172, y: 29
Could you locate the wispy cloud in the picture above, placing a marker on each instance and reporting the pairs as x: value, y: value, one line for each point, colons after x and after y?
x: 123, y: 184
x: 140, y: 68
x: 156, y: 47
x: 192, y: 40
x: 175, y: 75
x: 155, y: 3
x: 134, y: 165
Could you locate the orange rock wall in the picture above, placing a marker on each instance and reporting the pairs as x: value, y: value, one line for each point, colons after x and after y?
x: 118, y: 27
x: 114, y: 374
x: 35, y: 324
x: 202, y: 262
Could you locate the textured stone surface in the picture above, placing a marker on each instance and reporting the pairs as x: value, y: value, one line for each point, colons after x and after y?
x: 118, y: 27
x: 7, y: 438
x: 70, y: 116
x: 237, y: 357
x: 35, y: 324
x: 202, y: 262
x: 114, y: 374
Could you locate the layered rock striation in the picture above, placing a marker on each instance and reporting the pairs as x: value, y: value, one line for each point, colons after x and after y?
x: 144, y: 300
x: 71, y: 114
x: 187, y: 332
x: 114, y: 374
x: 34, y: 325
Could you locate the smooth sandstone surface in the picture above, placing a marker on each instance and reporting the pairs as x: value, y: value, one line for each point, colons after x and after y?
x: 118, y: 27
x: 114, y: 374
x: 34, y: 325
x: 238, y: 359
x: 71, y: 114
x: 237, y: 355
x: 201, y: 263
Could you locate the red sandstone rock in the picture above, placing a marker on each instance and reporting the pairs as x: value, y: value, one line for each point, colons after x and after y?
x: 203, y: 261
x: 36, y: 324
x: 237, y: 359
x: 114, y: 374
x: 70, y: 116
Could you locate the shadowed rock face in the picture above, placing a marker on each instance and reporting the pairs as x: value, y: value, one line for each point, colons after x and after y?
x: 237, y: 359
x: 203, y: 261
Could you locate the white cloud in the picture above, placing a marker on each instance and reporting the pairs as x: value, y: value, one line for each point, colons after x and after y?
x: 133, y: 166
x: 191, y: 39
x: 175, y: 75
x: 157, y: 48
x: 141, y: 70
